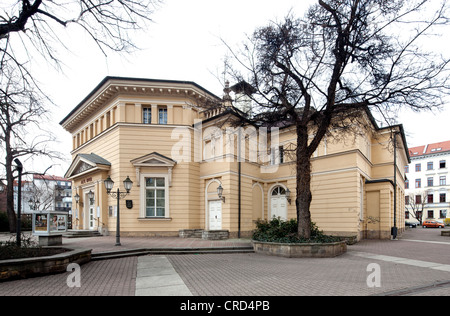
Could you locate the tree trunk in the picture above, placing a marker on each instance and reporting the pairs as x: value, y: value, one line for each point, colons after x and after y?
x: 9, y: 178
x: 303, y: 177
x: 10, y: 196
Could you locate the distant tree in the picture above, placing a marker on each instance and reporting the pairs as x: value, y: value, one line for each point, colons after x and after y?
x: 21, y: 132
x: 416, y: 204
x: 324, y: 71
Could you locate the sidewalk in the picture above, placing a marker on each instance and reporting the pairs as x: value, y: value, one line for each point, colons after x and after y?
x: 416, y: 264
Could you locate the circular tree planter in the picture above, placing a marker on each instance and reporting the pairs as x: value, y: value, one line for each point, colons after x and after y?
x: 300, y: 250
x: 36, y: 266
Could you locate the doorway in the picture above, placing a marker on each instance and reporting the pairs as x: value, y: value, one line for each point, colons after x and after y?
x: 278, y: 204
x: 215, y: 215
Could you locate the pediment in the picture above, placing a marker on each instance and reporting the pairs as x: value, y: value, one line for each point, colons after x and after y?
x: 86, y: 163
x: 153, y: 160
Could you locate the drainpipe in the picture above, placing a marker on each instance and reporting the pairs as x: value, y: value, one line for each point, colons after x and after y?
x: 239, y: 184
x: 394, y: 229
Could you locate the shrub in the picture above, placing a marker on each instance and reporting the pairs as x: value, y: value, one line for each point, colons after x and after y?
x: 277, y: 230
x: 29, y: 248
x: 4, y: 224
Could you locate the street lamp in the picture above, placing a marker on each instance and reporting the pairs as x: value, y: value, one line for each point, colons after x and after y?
x: 109, y: 184
x: 77, y: 199
x: 19, y: 200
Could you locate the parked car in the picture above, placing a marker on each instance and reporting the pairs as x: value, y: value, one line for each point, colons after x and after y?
x: 437, y: 224
x: 410, y: 224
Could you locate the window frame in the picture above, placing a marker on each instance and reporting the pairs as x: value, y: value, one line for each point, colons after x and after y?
x: 147, y: 110
x: 143, y: 195
x: 162, y: 109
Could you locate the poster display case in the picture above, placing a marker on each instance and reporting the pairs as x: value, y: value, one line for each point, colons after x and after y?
x: 48, y: 223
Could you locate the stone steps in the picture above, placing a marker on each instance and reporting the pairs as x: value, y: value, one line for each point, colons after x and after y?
x: 169, y: 251
x: 81, y: 234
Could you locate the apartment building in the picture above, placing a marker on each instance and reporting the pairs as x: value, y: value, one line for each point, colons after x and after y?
x: 428, y: 184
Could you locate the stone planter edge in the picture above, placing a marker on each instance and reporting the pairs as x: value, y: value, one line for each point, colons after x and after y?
x: 29, y: 267
x: 300, y: 250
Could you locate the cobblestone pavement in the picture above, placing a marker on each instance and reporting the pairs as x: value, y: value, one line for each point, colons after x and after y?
x: 416, y: 264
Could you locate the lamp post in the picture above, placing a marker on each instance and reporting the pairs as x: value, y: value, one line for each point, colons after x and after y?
x: 128, y: 184
x: 77, y: 199
x: 19, y: 200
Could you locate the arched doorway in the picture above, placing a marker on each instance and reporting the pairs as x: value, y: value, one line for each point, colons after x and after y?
x: 278, y: 205
x: 213, y: 206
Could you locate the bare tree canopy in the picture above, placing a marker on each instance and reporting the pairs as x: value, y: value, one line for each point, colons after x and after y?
x: 344, y: 57
x: 36, y: 28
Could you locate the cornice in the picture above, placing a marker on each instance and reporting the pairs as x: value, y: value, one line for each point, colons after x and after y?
x: 112, y: 87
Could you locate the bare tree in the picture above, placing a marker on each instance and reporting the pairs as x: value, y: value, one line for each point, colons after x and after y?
x: 344, y: 58
x: 34, y: 27
x: 416, y: 203
x: 22, y: 134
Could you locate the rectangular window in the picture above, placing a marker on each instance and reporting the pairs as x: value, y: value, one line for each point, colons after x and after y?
x: 406, y: 169
x: 430, y: 214
x: 442, y: 198
x: 443, y: 214
x: 430, y: 165
x: 418, y: 167
x: 162, y: 115
x: 430, y: 181
x: 430, y: 198
x: 147, y: 115
x: 442, y: 164
x: 281, y: 154
x: 418, y: 183
x: 155, y: 197
x: 406, y: 184
x: 418, y: 199
x: 407, y: 199
x: 406, y: 215
x: 442, y: 180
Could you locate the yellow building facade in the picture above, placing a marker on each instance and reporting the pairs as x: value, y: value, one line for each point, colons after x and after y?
x: 180, y: 155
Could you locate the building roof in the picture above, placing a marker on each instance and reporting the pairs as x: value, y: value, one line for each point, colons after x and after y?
x: 428, y: 149
x: 96, y: 159
x: 110, y: 85
x: 49, y: 178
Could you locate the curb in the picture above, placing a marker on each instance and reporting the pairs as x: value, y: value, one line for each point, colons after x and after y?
x: 168, y: 251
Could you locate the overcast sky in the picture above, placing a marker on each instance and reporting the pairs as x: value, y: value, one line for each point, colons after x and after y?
x: 184, y: 43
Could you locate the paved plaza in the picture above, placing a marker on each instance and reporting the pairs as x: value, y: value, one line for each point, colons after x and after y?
x: 417, y: 264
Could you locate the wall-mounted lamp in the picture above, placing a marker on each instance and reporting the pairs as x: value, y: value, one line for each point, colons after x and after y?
x: 220, y: 192
x: 288, y: 196
x: 91, y: 196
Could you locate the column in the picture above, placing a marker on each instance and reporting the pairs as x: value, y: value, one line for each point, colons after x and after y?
x: 155, y: 114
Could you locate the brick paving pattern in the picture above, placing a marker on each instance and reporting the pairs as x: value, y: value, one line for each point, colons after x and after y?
x: 100, y: 278
x: 258, y: 275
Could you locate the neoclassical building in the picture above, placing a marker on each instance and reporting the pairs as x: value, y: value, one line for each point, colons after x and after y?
x: 192, y: 171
